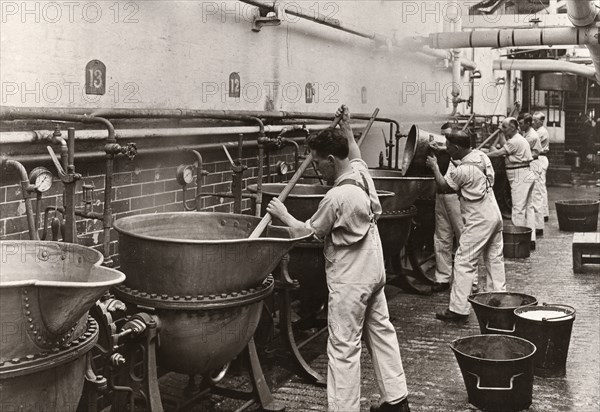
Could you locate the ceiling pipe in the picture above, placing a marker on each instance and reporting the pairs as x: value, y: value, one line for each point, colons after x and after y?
x: 542, y: 65
x: 367, y: 34
x: 319, y: 18
x: 584, y: 14
x: 581, y: 12
x: 553, y: 36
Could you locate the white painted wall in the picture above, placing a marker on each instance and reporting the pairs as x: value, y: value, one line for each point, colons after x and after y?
x: 179, y: 54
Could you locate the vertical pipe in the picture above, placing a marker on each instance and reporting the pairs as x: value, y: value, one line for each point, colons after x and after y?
x: 587, y: 95
x: 70, y: 226
x: 198, y: 180
x: 390, y: 152
x: 33, y: 235
x: 26, y: 188
x: 236, y: 184
x: 259, y: 178
x: 268, y: 159
x: 71, y: 150
x: 107, y: 214
x: 397, y: 136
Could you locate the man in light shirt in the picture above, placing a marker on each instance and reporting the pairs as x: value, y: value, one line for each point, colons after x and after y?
x: 517, y: 157
x: 538, y: 124
x: 532, y: 137
x: 347, y: 221
x: 448, y: 225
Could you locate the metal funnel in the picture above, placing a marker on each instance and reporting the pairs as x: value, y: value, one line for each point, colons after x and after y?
x: 416, y: 150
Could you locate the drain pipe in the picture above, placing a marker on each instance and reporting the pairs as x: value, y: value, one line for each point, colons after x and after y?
x: 583, y: 14
x: 545, y: 66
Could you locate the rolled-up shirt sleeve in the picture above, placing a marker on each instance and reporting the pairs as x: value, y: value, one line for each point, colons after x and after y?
x: 510, y: 147
x: 454, y: 179
x: 321, y: 223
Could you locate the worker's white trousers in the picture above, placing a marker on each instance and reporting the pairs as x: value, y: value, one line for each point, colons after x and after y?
x: 521, y: 189
x: 481, y: 237
x: 544, y: 164
x: 536, y: 167
x: 448, y: 226
x: 357, y: 305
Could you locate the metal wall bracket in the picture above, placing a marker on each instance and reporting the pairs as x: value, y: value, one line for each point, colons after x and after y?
x: 266, y: 17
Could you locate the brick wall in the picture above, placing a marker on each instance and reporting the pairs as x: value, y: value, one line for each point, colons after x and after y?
x: 145, y: 184
x: 557, y: 154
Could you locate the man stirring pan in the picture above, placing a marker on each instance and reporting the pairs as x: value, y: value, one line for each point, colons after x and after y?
x: 473, y: 180
x: 346, y: 219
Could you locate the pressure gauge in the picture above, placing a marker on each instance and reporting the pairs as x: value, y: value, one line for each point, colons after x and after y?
x: 41, y: 179
x: 282, y: 168
x: 185, y: 174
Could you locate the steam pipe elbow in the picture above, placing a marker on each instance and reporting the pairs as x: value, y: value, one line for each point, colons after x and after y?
x: 109, y: 127
x: 261, y: 126
x: 19, y: 167
x: 198, y: 156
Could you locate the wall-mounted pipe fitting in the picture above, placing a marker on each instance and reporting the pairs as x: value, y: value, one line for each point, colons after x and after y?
x: 26, y: 189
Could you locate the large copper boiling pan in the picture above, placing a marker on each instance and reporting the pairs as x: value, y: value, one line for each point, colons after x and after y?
x: 46, y: 290
x: 407, y: 189
x: 199, y: 253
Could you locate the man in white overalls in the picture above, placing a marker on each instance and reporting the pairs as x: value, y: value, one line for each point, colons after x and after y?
x: 346, y: 220
x: 538, y: 124
x: 473, y: 180
x: 532, y: 137
x: 448, y: 227
x: 517, y: 153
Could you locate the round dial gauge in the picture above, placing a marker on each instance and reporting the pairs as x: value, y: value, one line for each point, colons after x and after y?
x: 41, y: 178
x: 185, y: 174
x: 282, y: 168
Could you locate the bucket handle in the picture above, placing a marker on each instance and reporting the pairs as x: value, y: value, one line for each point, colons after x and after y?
x: 493, y: 388
x: 488, y: 327
x: 577, y: 219
x: 560, y: 306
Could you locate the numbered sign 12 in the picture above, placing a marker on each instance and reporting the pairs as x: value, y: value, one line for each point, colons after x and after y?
x: 95, y: 78
x: 234, y: 85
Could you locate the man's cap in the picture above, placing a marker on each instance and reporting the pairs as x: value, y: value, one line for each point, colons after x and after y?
x: 459, y: 138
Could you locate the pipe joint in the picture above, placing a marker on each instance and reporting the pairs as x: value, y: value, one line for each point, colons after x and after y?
x: 113, y: 149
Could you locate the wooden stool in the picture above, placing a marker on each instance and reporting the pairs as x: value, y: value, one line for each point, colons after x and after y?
x: 585, y: 243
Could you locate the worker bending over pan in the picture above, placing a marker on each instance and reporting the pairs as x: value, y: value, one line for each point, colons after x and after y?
x: 473, y: 180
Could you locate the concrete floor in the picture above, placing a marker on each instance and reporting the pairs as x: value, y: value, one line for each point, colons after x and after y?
x: 434, y: 379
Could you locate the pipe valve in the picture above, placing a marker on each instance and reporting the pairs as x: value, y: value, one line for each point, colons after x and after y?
x: 56, y: 136
x: 129, y: 150
x: 88, y: 195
